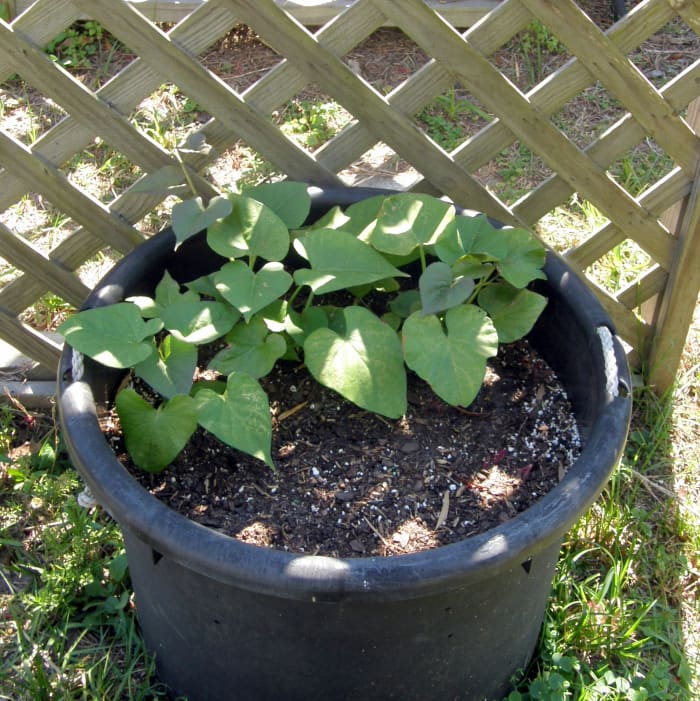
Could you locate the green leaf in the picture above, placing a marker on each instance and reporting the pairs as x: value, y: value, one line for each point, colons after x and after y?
x: 168, y: 292
x: 452, y: 360
x: 199, y: 321
x: 164, y: 181
x: 289, y: 200
x: 513, y: 311
x: 253, y: 350
x: 472, y: 266
x: 240, y: 417
x: 360, y: 358
x: 406, y: 221
x: 112, y: 335
x: 524, y: 260
x: 360, y: 216
x: 334, y: 218
x: 339, y: 260
x: 191, y: 216
x: 154, y: 437
x: 250, y: 292
x: 471, y: 235
x: 300, y: 326
x: 196, y: 143
x: 440, y: 291
x: 170, y: 368
x: 405, y: 303
x: 251, y: 229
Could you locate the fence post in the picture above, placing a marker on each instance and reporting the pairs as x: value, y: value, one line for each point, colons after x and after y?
x: 677, y: 306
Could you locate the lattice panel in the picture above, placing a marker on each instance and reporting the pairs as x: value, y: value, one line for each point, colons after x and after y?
x: 663, y: 221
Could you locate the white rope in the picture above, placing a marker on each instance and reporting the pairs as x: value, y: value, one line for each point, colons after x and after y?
x: 77, y: 366
x: 611, y: 374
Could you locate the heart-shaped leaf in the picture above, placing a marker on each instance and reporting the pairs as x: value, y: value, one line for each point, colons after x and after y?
x: 525, y: 258
x: 154, y: 437
x: 199, y: 321
x: 250, y: 292
x: 360, y: 358
x: 452, y: 359
x: 513, y: 311
x: 338, y: 261
x: 240, y: 417
x: 471, y: 235
x: 170, y: 368
x: 440, y: 291
x: 290, y: 201
x: 251, y: 229
x: 191, y: 216
x: 406, y: 221
x: 253, y: 350
x: 167, y: 292
x: 113, y: 335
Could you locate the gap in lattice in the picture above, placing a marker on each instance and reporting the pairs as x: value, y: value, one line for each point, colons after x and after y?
x: 381, y: 166
x: 453, y: 117
x: 642, y: 166
x: 667, y: 52
x: 238, y: 166
x: 588, y: 115
x: 620, y: 267
x: 386, y: 59
x: 513, y: 173
x: 101, y: 171
x: 240, y: 58
x: 168, y: 116
x: 311, y: 118
x: 531, y: 56
x: 91, y: 53
x: 25, y: 113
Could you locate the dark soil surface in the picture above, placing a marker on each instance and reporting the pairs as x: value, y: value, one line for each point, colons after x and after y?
x: 350, y: 483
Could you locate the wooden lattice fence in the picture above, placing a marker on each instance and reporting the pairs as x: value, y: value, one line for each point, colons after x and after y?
x: 652, y: 313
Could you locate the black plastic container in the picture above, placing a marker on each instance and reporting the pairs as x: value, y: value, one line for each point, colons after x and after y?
x: 228, y: 620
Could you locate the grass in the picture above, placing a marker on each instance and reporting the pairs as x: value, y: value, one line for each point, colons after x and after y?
x: 68, y: 629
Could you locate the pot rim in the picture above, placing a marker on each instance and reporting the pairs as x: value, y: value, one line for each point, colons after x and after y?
x: 298, y: 575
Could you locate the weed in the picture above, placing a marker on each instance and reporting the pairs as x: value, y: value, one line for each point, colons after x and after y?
x: 537, y: 44
x: 77, y: 46
x: 642, y: 167
x: 451, y: 118
x: 68, y: 629
x: 313, y: 123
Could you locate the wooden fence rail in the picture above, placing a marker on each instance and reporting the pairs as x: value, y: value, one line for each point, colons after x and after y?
x: 652, y: 312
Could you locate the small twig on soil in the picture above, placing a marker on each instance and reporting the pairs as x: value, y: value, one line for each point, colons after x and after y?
x: 377, y: 533
x: 290, y: 412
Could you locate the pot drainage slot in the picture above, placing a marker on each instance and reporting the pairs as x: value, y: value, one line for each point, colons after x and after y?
x: 527, y: 565
x: 156, y: 556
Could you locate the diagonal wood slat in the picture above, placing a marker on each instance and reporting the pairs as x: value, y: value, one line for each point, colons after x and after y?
x: 210, y: 91
x: 622, y: 79
x: 651, y: 313
x: 291, y: 39
x: 501, y: 96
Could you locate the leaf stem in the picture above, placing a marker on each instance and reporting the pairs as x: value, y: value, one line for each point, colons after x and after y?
x: 185, y: 172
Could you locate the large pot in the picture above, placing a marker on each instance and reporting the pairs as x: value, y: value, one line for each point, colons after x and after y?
x: 228, y: 620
